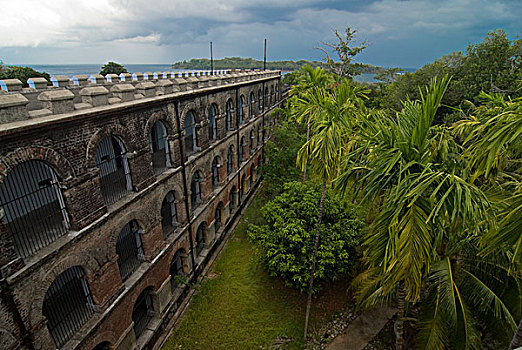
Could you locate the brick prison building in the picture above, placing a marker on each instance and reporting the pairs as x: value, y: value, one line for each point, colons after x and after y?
x: 114, y: 192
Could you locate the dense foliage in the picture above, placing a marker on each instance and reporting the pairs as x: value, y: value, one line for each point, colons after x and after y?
x: 243, y: 63
x: 286, y: 242
x: 112, y: 68
x: 281, y: 152
x: 493, y: 65
x: 21, y: 73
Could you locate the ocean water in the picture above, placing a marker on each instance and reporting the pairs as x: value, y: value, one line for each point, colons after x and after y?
x: 76, y: 69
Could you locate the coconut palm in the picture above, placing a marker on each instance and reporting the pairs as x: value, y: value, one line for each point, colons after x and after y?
x: 331, y: 115
x: 426, y: 206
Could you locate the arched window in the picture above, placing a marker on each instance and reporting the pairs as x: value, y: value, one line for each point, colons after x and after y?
x: 200, y: 238
x: 195, y: 190
x: 229, y: 115
x: 259, y: 100
x: 242, y: 145
x: 67, y: 305
x: 252, y: 175
x: 266, y: 105
x: 142, y: 312
x: 241, y: 109
x: 218, y: 217
x: 258, y: 137
x: 160, y: 147
x: 169, y: 214
x: 115, y: 179
x: 212, y: 123
x: 190, y: 133
x: 271, y: 95
x: 242, y: 186
x: 230, y: 159
x: 251, y: 144
x: 129, y: 249
x: 215, y: 172
x: 232, y: 199
x: 33, y: 207
x: 251, y: 109
x: 176, y: 268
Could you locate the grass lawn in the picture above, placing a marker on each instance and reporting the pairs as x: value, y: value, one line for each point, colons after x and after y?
x: 239, y: 306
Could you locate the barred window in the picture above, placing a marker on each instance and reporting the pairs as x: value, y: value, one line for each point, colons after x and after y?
x: 230, y: 158
x: 129, y: 249
x: 190, y: 133
x: 115, y: 178
x: 142, y: 312
x: 251, y: 144
x: 33, y: 207
x: 200, y: 238
x: 242, y: 145
x: 229, y: 115
x: 67, y: 305
x: 169, y: 214
x: 218, y: 216
x: 176, y: 268
x: 251, y: 106
x: 159, y: 147
x: 215, y: 172
x: 232, y: 199
x: 212, y: 123
x: 259, y: 100
x: 195, y: 190
x: 241, y: 109
x: 258, y: 137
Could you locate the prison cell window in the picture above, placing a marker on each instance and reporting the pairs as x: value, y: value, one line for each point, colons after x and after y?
x: 200, y: 238
x: 114, y: 176
x: 195, y: 190
x: 232, y: 199
x: 251, y: 144
x: 67, y: 305
x: 215, y: 172
x: 169, y: 214
x: 212, y: 123
x: 190, y: 133
x: 241, y: 109
x: 218, y: 217
x: 176, y: 268
x: 251, y: 106
x: 129, y: 249
x: 33, y: 207
x: 229, y: 116
x: 142, y: 312
x: 242, y: 145
x: 260, y: 101
x: 159, y: 147
x: 230, y: 159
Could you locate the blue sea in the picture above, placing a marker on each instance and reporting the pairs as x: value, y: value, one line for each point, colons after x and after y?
x: 76, y: 69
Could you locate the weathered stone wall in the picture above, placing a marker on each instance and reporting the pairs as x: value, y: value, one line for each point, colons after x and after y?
x: 67, y: 142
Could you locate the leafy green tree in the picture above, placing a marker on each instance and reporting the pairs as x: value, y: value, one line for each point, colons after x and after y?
x: 332, y: 116
x: 22, y: 74
x: 112, y: 68
x: 281, y: 153
x: 286, y: 244
x: 344, y: 66
x: 428, y: 214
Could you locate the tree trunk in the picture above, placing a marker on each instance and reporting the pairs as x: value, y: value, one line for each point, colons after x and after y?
x: 399, y: 324
x: 517, y: 338
x: 310, y: 287
x: 307, y: 138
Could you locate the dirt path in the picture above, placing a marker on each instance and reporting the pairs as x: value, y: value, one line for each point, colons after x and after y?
x: 363, y: 329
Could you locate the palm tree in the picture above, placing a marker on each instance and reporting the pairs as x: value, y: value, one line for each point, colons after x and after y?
x: 494, y: 136
x: 309, y: 78
x: 331, y: 115
x: 426, y: 207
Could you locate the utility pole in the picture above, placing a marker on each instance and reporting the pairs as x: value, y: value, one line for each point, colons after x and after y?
x: 211, y: 60
x: 264, y: 61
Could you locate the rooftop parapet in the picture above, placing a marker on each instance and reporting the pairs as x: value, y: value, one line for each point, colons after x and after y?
x: 82, y: 92
x: 60, y: 81
x: 10, y: 85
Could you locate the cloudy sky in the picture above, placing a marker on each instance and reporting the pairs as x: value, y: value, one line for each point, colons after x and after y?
x: 405, y: 33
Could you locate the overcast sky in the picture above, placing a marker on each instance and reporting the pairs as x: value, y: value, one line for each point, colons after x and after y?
x: 405, y: 33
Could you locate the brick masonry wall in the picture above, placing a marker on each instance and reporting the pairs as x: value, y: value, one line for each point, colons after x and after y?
x: 69, y: 147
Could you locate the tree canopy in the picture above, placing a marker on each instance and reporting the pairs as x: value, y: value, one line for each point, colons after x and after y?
x: 112, y: 68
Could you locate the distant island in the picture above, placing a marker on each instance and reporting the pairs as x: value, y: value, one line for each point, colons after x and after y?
x: 250, y: 63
